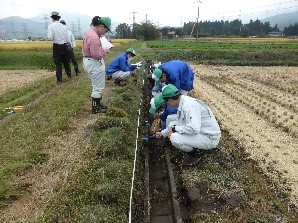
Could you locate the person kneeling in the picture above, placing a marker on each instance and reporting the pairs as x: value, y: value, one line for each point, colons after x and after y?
x: 119, y: 69
x: 196, y: 127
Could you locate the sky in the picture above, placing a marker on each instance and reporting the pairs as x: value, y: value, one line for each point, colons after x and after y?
x: 160, y: 12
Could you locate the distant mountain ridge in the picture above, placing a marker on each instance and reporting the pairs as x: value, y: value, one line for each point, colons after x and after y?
x: 15, y: 27
x: 282, y: 20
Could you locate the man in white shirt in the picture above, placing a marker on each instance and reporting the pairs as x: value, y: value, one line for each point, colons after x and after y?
x: 71, y: 52
x: 58, y: 33
x: 196, y: 127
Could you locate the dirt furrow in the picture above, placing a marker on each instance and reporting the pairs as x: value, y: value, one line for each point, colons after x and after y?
x: 276, y: 151
x: 14, y: 79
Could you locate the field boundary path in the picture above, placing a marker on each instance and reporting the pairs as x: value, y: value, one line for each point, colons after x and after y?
x: 64, y: 150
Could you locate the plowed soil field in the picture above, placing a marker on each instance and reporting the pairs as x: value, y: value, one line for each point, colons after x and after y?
x: 13, y: 79
x: 257, y: 106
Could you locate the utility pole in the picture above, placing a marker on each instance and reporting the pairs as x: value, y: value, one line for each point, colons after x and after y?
x: 240, y: 21
x: 133, y: 18
x: 45, y: 18
x: 25, y: 31
x: 13, y: 31
x: 73, y: 28
x: 198, y: 20
x: 79, y: 28
x: 2, y: 31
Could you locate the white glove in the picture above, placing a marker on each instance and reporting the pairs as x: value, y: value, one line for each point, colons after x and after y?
x: 139, y: 65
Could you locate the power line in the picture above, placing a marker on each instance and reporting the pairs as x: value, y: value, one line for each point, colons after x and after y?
x: 245, y: 12
x: 254, y: 8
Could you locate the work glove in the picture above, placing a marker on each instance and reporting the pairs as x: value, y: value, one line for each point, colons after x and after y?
x: 139, y: 64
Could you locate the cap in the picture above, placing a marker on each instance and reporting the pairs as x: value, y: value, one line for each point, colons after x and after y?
x: 131, y: 51
x: 156, y: 75
x: 104, y: 20
x: 55, y: 14
x: 169, y: 91
x: 63, y: 22
x: 107, y: 22
x: 156, y: 103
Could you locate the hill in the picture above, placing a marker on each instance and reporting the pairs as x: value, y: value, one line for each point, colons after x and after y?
x: 15, y: 27
x: 282, y: 20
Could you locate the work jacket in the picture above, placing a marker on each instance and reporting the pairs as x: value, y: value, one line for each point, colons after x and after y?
x: 120, y: 64
x: 179, y: 74
x: 195, y: 117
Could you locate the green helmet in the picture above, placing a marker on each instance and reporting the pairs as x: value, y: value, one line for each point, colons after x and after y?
x: 156, y: 103
x: 107, y: 22
x: 169, y: 91
x: 131, y: 51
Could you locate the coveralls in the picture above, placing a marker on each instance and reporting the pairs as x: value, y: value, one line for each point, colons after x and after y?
x: 196, y: 126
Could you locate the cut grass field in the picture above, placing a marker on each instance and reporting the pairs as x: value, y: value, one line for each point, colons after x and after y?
x: 23, y: 150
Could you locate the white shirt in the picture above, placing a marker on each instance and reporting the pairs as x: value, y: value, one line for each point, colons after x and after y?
x: 58, y: 33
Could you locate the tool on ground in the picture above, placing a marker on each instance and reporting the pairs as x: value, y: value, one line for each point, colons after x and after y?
x: 155, y: 127
x: 148, y: 138
x: 14, y: 109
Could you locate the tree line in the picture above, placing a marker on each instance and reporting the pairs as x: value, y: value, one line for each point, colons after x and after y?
x: 148, y: 31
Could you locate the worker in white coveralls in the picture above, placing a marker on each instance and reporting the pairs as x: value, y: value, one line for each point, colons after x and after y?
x: 196, y: 127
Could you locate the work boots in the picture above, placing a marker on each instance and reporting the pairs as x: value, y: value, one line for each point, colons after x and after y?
x: 118, y: 81
x: 97, y: 106
x: 193, y: 158
x: 76, y: 67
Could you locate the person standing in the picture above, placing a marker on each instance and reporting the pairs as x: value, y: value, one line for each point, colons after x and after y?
x: 196, y: 127
x: 93, y: 60
x: 58, y: 33
x: 175, y: 72
x: 119, y: 69
x: 71, y: 52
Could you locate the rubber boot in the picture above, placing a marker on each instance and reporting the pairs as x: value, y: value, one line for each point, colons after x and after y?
x: 109, y: 77
x: 97, y: 107
x: 77, y: 70
x: 102, y: 106
x: 193, y: 158
x: 118, y: 81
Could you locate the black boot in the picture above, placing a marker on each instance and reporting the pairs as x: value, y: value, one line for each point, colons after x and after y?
x: 77, y: 70
x: 102, y: 106
x: 193, y: 158
x: 118, y: 81
x: 109, y: 77
x: 97, y: 107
